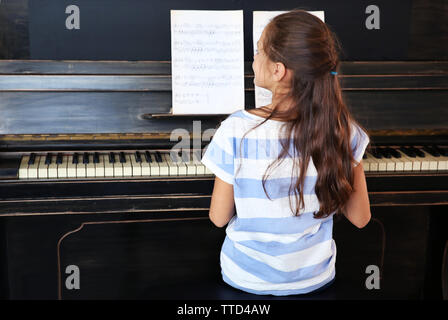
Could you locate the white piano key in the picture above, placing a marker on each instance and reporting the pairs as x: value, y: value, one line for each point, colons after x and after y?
x: 424, y: 163
x: 429, y: 163
x: 406, y: 160
x: 100, y: 166
x: 23, y: 168
x: 53, y: 168
x: 173, y: 167
x: 163, y: 166
x: 80, y: 168
x: 62, y: 168
x: 443, y: 163
x: 399, y: 165
x: 67, y: 170
x: 177, y: 160
x: 42, y: 171
x: 416, y: 163
x: 136, y: 166
x: 382, y: 163
x: 390, y: 163
x: 373, y: 162
x: 200, y: 167
x: 187, y: 159
x: 148, y: 168
x: 108, y: 167
x: 182, y: 170
x: 127, y: 166
x: 32, y: 168
x: 90, y: 168
x: 118, y: 166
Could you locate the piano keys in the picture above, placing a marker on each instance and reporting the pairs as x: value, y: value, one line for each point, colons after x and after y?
x: 406, y: 159
x: 105, y: 165
x: 153, y: 163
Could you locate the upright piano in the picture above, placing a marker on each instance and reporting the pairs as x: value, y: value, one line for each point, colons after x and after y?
x: 98, y: 201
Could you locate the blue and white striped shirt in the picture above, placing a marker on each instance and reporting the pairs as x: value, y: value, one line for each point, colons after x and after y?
x: 268, y: 250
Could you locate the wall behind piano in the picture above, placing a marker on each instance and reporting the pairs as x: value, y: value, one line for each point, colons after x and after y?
x: 140, y: 30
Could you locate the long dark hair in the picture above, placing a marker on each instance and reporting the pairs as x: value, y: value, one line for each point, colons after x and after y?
x: 319, y: 121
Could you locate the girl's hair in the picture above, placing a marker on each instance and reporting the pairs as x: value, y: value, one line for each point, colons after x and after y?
x: 321, y: 122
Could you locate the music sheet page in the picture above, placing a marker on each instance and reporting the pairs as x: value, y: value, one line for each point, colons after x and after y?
x: 207, y: 56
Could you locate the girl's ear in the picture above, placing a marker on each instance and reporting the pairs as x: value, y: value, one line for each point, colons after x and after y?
x: 279, y: 71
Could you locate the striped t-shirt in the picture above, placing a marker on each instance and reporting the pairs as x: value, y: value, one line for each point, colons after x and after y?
x: 267, y: 249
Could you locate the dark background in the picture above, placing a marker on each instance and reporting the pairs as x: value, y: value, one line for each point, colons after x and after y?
x: 140, y: 29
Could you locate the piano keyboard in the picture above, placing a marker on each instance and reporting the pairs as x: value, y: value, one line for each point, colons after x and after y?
x: 162, y: 163
x: 405, y: 159
x: 111, y: 164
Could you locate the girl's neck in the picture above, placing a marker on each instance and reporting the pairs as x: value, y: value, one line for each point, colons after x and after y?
x: 282, y: 104
x: 279, y: 99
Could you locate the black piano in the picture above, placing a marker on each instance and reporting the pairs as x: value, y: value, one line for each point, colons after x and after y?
x: 96, y: 201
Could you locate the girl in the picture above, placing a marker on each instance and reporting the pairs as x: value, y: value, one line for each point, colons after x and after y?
x: 288, y: 167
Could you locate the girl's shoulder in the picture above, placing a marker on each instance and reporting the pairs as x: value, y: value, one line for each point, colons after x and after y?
x: 357, y: 132
x: 235, y: 119
x: 359, y: 141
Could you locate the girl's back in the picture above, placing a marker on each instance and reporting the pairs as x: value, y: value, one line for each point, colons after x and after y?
x: 269, y: 250
x: 288, y: 178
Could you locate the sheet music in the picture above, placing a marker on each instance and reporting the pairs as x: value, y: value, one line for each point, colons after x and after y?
x: 207, y: 55
x: 263, y: 96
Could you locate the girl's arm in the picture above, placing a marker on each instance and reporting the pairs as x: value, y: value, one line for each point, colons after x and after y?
x: 357, y: 208
x: 222, y: 206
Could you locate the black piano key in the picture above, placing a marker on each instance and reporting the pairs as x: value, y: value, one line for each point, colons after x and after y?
x: 376, y: 153
x: 431, y: 151
x: 148, y: 157
x: 408, y: 152
x: 75, y: 158
x: 122, y: 157
x: 59, y: 158
x: 48, y: 158
x: 418, y: 152
x: 85, y: 158
x: 385, y: 153
x: 96, y: 158
x: 32, y: 159
x: 436, y: 152
x: 364, y: 156
x: 111, y: 157
x: 158, y: 156
x: 138, y: 158
x: 394, y: 152
x: 440, y: 150
x: 444, y: 151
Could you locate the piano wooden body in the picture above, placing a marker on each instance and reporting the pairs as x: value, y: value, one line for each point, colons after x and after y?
x: 135, y: 224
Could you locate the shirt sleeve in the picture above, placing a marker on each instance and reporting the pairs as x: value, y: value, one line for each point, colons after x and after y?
x: 359, y: 142
x: 219, y: 154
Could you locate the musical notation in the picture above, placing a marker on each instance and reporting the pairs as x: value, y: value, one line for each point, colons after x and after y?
x: 207, y: 61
